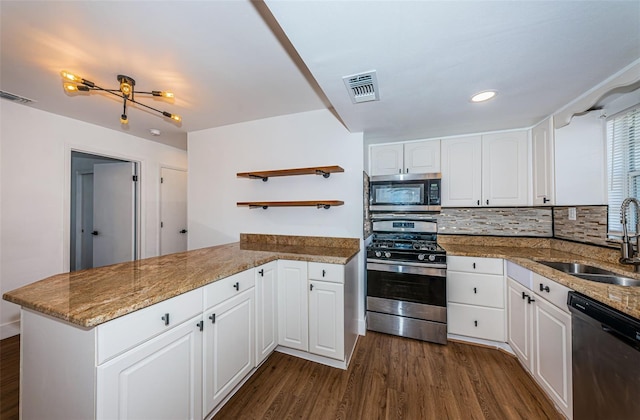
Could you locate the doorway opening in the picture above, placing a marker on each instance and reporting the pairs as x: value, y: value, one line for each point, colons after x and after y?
x: 104, y: 211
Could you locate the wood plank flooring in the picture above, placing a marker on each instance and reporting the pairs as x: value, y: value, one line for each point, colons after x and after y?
x: 9, y: 377
x: 394, y: 378
x: 389, y: 378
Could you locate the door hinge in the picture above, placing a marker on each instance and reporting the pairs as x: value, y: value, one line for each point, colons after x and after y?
x: 135, y: 178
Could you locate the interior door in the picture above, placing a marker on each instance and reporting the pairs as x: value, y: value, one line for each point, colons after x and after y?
x: 114, y: 213
x: 173, y: 211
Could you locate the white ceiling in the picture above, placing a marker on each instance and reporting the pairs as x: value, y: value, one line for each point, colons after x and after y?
x: 229, y: 61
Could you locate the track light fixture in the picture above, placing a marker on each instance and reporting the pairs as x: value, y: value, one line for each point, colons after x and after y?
x: 73, y: 83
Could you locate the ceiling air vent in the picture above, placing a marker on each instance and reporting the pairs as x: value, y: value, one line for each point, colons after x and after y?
x: 362, y: 87
x: 15, y: 98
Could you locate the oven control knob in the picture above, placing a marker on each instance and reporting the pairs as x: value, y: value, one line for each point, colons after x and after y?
x: 432, y: 257
x: 387, y: 254
x: 378, y: 254
x: 421, y: 257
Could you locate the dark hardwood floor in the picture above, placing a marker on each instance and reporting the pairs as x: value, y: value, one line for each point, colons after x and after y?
x: 394, y: 378
x: 388, y: 378
x: 9, y: 377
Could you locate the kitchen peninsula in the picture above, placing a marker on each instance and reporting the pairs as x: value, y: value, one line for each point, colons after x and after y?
x: 96, y: 343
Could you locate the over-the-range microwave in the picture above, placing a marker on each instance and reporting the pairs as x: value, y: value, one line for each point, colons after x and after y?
x: 405, y: 192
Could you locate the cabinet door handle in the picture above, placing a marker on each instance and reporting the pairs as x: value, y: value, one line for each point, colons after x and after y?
x: 261, y: 272
x: 545, y: 200
x: 399, y: 170
x: 475, y: 290
x: 311, y: 287
x: 524, y: 295
x: 475, y: 323
x: 212, y: 317
x: 474, y: 266
x: 478, y: 202
x: 237, y: 286
x: 323, y: 273
x: 544, y: 288
x: 165, y: 318
x: 529, y: 300
x: 487, y: 202
x: 200, y: 325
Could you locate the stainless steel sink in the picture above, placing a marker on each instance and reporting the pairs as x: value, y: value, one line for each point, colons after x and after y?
x: 591, y: 273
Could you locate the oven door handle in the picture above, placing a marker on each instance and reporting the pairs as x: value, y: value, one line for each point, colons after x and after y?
x: 439, y: 270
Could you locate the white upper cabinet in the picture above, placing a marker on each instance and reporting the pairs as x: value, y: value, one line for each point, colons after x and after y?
x: 505, y: 169
x: 411, y: 157
x: 461, y: 171
x: 422, y: 157
x: 542, y: 161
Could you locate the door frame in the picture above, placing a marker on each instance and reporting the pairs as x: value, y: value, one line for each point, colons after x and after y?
x: 140, y: 207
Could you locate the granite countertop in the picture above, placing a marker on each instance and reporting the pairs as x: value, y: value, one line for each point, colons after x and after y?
x: 624, y: 299
x: 88, y: 298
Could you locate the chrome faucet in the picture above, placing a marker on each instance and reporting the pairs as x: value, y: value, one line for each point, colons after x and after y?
x: 629, y: 253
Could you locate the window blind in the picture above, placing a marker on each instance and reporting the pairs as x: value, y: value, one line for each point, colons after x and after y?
x: 623, y: 161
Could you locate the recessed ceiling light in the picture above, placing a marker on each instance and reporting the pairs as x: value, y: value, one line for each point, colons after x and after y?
x: 483, y: 96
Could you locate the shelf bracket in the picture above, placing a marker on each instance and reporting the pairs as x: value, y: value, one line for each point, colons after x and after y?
x: 263, y: 178
x: 258, y: 207
x: 323, y: 206
x: 323, y: 173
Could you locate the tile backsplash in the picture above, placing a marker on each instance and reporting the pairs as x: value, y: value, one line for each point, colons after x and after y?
x: 589, y: 227
x: 519, y: 221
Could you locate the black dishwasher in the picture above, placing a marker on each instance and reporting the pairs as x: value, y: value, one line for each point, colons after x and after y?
x: 606, y: 361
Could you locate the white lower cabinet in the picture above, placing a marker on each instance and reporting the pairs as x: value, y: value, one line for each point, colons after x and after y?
x: 266, y: 310
x: 159, y: 379
x: 229, y: 349
x: 293, y: 308
x: 475, y: 297
x: 326, y: 319
x: 539, y: 332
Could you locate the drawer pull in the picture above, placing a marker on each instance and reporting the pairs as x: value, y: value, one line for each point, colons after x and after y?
x: 165, y: 318
x: 212, y: 317
x: 474, y: 266
x: 475, y: 290
x: 261, y: 272
x: 524, y: 295
x: 323, y: 273
x: 544, y: 288
x: 475, y: 323
x: 237, y: 286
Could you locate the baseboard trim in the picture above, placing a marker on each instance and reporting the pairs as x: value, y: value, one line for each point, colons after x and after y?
x: 9, y: 329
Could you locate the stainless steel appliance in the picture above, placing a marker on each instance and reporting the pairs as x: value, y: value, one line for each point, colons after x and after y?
x: 406, y: 278
x: 405, y: 192
x: 606, y: 361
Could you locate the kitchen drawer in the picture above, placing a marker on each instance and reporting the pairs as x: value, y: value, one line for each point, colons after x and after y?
x: 475, y: 264
x: 121, y: 334
x: 476, y: 321
x: 326, y: 272
x: 520, y: 274
x: 475, y: 289
x: 556, y: 294
x: 225, y: 288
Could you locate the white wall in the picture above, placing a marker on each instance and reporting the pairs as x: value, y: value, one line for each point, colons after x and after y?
x: 35, y: 181
x: 294, y: 141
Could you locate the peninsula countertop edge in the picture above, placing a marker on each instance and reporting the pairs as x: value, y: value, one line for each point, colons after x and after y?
x: 88, y: 298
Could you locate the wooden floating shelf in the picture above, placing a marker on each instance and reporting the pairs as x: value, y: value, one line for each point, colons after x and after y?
x: 324, y: 204
x: 325, y: 171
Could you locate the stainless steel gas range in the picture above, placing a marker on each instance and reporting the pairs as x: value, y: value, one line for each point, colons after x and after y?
x: 406, y: 278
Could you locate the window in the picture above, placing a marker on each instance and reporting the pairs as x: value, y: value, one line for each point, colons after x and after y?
x: 623, y: 161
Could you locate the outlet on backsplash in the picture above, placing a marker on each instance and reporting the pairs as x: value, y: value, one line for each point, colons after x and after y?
x: 572, y: 213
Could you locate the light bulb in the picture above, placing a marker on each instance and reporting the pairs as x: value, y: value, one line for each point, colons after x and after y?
x: 124, y: 119
x: 70, y: 87
x: 175, y: 117
x: 162, y: 93
x: 70, y: 76
x: 125, y: 88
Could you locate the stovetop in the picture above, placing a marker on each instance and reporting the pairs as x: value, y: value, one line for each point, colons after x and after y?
x: 400, y: 248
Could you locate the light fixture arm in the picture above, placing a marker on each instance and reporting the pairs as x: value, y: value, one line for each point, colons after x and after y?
x: 125, y: 92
